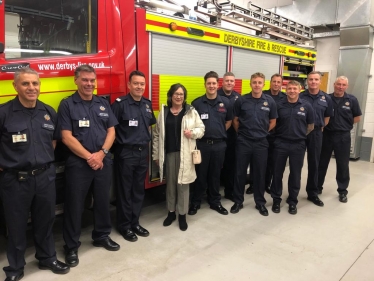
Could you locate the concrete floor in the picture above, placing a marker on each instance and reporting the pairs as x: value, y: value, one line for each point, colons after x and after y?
x: 331, y: 243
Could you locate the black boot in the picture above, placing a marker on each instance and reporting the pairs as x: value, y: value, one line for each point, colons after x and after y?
x: 182, y: 222
x: 170, y: 218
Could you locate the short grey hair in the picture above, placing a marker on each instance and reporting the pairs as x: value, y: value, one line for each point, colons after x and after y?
x: 341, y: 78
x: 84, y: 68
x: 25, y: 70
x: 315, y: 72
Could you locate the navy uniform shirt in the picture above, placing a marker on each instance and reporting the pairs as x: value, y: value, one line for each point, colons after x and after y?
x: 254, y: 115
x: 87, y: 120
x: 214, y: 114
x: 231, y: 133
x: 277, y: 97
x: 345, y: 109
x: 234, y: 95
x: 293, y: 119
x: 26, y: 135
x: 134, y: 118
x: 322, y: 106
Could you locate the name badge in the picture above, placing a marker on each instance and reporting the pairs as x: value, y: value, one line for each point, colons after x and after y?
x: 19, y: 138
x: 84, y: 123
x: 204, y: 116
x: 133, y: 123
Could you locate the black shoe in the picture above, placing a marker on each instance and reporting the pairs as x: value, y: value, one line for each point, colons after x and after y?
x: 219, y: 209
x: 267, y: 189
x: 249, y: 190
x: 56, y: 267
x: 276, y: 208
x: 170, y: 218
x: 15, y: 277
x: 316, y: 201
x: 193, y: 209
x: 182, y: 222
x: 343, y: 198
x: 292, y: 209
x: 129, y: 235
x: 140, y: 231
x: 106, y: 243
x: 71, y: 258
x: 262, y: 210
x: 230, y: 197
x: 236, y: 208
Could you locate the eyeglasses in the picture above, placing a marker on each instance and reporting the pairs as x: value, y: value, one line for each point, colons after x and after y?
x: 178, y: 95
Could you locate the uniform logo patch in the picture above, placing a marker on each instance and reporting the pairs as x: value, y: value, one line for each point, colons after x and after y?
x: 221, y: 104
x: 102, y: 108
x: 236, y: 97
x: 147, y: 106
x: 266, y: 103
x: 47, y: 117
x: 302, y: 108
x: 347, y: 103
x: 323, y: 97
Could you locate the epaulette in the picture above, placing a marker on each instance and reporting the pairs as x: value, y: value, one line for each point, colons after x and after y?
x: 119, y: 99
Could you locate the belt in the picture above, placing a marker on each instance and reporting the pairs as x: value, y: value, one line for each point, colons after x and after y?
x: 32, y: 172
x: 210, y: 141
x: 135, y: 146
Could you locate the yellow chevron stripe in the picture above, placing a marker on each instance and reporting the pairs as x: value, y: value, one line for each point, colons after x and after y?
x: 52, y: 90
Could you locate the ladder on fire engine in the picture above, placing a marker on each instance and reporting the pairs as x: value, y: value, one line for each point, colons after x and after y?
x: 264, y: 22
x: 256, y: 18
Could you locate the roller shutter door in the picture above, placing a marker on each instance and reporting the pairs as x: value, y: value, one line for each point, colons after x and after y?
x: 246, y: 62
x: 183, y: 57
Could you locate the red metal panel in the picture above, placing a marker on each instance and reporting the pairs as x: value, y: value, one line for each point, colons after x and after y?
x: 156, y: 92
x: 2, y: 30
x: 127, y: 39
x: 238, y: 86
x: 143, y: 47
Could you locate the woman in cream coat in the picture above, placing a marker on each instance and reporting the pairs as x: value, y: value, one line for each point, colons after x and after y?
x: 174, y: 137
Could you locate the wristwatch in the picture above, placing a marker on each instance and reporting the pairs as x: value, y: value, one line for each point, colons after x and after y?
x: 106, y: 151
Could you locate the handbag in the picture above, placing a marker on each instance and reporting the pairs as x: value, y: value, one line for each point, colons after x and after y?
x: 196, y: 156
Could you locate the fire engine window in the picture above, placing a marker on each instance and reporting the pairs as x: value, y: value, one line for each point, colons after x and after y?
x: 41, y: 28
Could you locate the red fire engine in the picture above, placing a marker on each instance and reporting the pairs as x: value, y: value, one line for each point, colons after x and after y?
x: 118, y: 36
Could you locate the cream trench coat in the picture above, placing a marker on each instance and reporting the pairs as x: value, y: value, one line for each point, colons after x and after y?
x: 191, y: 121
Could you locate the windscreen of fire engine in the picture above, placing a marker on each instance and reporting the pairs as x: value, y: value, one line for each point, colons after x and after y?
x: 40, y: 28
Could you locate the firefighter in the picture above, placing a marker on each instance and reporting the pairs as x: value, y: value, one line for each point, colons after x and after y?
x: 87, y: 129
x: 27, y: 178
x: 323, y: 110
x: 337, y: 137
x: 135, y: 116
x: 216, y: 113
x: 275, y: 92
x: 228, y: 169
x: 295, y: 121
x: 254, y: 116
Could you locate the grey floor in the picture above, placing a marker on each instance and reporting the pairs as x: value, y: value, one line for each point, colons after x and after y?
x: 334, y: 242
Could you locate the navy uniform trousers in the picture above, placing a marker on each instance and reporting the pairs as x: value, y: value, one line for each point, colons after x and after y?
x: 295, y: 152
x: 269, y: 166
x: 208, y: 172
x: 340, y: 143
x: 80, y: 177
x: 228, y: 169
x: 38, y: 195
x: 131, y: 165
x: 314, y: 145
x: 255, y: 151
